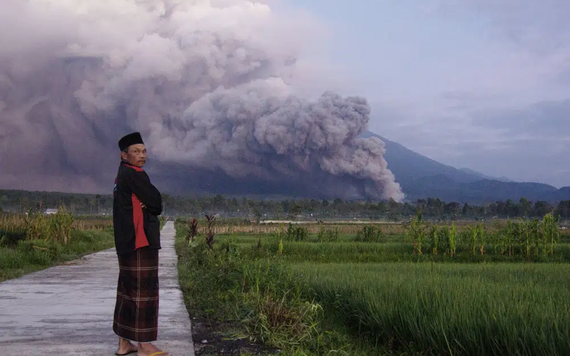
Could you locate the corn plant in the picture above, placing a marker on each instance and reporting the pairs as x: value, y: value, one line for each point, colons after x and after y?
x: 537, y: 236
x: 369, y: 234
x: 12, y: 230
x: 34, y: 225
x: 551, y: 232
x: 297, y: 233
x: 482, y: 238
x: 474, y: 234
x: 495, y: 239
x: 210, y: 231
x: 328, y: 235
x: 509, y: 237
x: 280, y: 239
x: 433, y: 239
x: 54, y: 228
x: 192, y: 230
x: 452, y: 240
x: 416, y: 231
x: 59, y: 226
x: 532, y: 236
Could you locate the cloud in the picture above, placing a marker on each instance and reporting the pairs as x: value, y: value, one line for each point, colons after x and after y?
x: 542, y: 24
x: 530, y: 143
x: 476, y: 83
x: 548, y: 119
x: 213, y: 86
x: 539, y: 30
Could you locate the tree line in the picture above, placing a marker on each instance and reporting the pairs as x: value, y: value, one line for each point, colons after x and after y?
x: 244, y: 207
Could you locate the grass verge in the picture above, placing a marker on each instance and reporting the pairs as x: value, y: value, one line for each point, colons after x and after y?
x: 259, y: 299
x: 33, y: 255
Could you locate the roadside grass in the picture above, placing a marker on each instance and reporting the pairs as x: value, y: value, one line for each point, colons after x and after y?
x: 261, y: 297
x: 32, y: 255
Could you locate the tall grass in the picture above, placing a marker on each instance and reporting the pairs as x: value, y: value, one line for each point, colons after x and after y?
x: 451, y: 309
x: 34, y: 241
x: 55, y: 228
x: 32, y: 255
x: 369, y: 233
x: 244, y: 286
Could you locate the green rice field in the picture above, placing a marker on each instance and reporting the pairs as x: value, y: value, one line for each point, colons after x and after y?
x: 471, y: 309
x: 479, y: 291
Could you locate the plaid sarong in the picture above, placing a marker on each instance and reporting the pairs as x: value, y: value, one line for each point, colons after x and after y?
x: 136, y: 309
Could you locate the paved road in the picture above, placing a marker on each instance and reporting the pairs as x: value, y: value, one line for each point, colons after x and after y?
x: 68, y: 310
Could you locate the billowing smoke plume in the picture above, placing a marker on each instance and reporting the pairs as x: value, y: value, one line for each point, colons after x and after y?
x: 213, y: 86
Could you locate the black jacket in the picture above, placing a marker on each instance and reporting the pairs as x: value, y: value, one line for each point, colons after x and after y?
x: 135, y: 226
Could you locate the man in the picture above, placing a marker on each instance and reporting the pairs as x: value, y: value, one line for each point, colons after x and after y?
x: 136, y: 206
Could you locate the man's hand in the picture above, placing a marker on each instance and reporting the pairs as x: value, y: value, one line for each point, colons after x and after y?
x: 143, y: 206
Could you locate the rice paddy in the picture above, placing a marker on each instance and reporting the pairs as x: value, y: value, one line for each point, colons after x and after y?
x: 421, y: 289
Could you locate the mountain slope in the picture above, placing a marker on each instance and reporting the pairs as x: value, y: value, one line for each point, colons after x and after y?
x: 422, y: 177
x: 483, y: 176
x: 408, y: 165
x: 482, y: 191
x: 565, y: 193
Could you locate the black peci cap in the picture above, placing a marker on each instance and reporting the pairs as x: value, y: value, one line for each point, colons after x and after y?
x: 130, y: 139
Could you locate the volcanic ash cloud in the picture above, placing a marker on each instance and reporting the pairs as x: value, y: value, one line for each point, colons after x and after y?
x: 213, y: 86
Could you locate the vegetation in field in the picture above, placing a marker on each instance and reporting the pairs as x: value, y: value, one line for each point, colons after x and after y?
x: 50, y: 228
x: 296, y: 233
x: 528, y: 238
x: 32, y: 255
x: 369, y: 234
x: 54, y: 228
x: 33, y: 242
x: 378, y: 295
x: 231, y: 283
x: 456, y: 309
x: 328, y: 235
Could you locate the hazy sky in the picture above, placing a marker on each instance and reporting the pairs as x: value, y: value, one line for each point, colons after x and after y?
x: 482, y: 84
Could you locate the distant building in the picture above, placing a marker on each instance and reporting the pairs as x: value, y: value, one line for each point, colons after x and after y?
x: 51, y: 211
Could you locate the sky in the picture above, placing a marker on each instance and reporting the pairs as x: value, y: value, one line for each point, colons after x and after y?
x: 279, y: 88
x: 481, y: 84
x: 220, y: 90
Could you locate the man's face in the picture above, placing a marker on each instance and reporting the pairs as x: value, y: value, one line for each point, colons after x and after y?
x: 135, y: 155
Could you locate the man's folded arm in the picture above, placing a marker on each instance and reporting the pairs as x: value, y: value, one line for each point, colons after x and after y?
x: 146, y: 192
